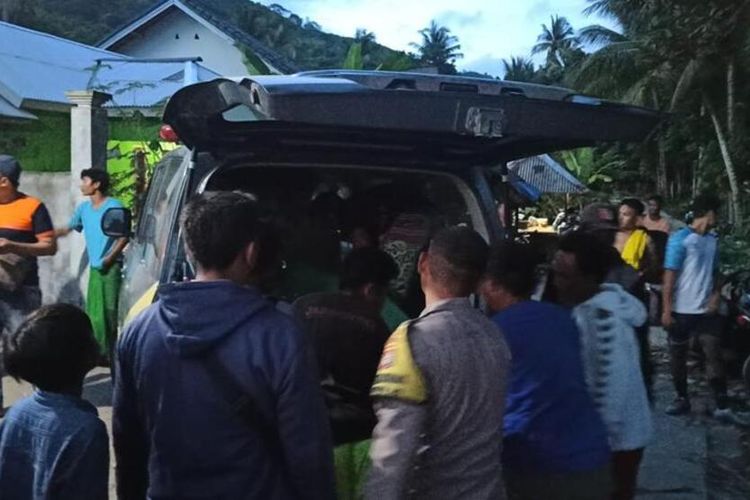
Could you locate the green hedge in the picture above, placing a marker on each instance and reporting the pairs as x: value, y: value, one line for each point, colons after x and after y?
x: 43, y: 145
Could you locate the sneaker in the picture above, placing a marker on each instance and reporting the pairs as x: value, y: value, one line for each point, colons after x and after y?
x: 680, y: 406
x: 729, y: 416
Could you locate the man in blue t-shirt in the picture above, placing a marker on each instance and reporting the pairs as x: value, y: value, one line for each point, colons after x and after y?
x: 555, y: 444
x: 691, y: 300
x: 104, y: 256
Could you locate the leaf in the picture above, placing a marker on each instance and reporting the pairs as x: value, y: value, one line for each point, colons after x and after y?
x: 353, y: 57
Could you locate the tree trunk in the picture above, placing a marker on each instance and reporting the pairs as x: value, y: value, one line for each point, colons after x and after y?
x: 728, y: 163
x: 661, y: 169
x: 731, y: 99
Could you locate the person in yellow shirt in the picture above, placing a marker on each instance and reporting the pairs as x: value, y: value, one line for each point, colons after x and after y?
x: 632, y: 241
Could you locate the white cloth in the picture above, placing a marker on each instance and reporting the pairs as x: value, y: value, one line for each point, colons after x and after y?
x: 612, y: 364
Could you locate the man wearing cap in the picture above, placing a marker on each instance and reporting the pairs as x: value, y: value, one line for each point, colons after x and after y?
x: 26, y: 233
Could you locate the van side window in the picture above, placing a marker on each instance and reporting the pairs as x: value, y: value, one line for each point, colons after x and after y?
x: 145, y: 256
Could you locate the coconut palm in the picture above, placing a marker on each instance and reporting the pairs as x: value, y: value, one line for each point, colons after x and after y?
x: 556, y: 41
x: 438, y: 48
x: 519, y: 69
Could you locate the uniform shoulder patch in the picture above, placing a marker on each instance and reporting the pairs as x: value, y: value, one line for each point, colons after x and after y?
x: 398, y: 375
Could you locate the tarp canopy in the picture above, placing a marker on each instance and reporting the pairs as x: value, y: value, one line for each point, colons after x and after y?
x: 546, y: 175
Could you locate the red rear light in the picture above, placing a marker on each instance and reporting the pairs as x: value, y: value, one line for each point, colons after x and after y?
x: 166, y: 133
x: 743, y: 321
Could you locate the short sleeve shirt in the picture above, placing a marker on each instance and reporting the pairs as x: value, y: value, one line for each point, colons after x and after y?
x: 26, y: 220
x: 694, y: 258
x: 89, y: 220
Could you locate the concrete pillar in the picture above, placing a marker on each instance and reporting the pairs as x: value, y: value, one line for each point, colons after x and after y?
x: 88, y: 149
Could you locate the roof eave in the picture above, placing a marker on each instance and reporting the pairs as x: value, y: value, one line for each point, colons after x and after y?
x: 126, y: 30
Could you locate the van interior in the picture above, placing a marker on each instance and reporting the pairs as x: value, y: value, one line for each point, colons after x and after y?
x: 317, y: 215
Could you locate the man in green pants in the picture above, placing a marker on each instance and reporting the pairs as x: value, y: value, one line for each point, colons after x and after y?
x: 104, y: 254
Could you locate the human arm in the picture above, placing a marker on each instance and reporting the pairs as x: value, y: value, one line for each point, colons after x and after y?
x: 396, y: 442
x: 45, y: 244
x: 667, y: 295
x: 114, y: 253
x: 303, y: 428
x: 673, y: 261
x: 128, y: 434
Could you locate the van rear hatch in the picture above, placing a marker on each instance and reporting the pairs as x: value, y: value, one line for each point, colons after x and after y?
x: 401, y: 118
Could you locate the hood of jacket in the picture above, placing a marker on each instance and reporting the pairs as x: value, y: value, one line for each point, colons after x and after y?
x: 202, y: 313
x: 615, y: 299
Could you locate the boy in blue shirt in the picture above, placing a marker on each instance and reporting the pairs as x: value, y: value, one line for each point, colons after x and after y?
x: 555, y: 443
x: 52, y: 444
x: 104, y: 256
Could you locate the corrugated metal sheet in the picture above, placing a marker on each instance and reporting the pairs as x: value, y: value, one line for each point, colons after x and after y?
x: 546, y: 175
x: 41, y: 67
x: 8, y: 110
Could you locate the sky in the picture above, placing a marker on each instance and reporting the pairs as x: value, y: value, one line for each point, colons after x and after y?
x: 488, y: 30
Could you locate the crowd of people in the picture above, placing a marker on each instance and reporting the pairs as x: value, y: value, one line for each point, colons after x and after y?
x: 489, y: 393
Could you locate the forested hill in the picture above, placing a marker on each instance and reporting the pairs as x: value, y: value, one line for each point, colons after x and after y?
x: 300, y: 40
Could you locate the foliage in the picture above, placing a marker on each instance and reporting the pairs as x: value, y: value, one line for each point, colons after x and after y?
x: 557, y: 41
x: 519, y: 69
x: 41, y: 145
x: 438, y: 48
x: 353, y: 57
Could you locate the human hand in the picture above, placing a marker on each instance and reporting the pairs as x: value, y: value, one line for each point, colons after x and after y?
x: 6, y: 246
x: 713, y: 303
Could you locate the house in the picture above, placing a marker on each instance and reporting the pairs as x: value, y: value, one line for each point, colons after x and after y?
x: 189, y: 28
x: 37, y: 69
x: 546, y: 175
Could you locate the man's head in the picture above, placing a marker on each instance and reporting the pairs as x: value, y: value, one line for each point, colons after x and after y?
x: 580, y: 265
x: 10, y: 174
x: 630, y: 213
x: 366, y: 272
x: 453, y: 262
x: 221, y: 229
x: 654, y: 205
x: 53, y: 348
x: 705, y: 209
x: 510, y: 275
x: 93, y: 180
x: 600, y: 220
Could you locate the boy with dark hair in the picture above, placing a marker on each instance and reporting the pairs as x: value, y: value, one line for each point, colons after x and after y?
x: 606, y: 316
x: 215, y: 391
x: 691, y: 300
x: 555, y: 445
x: 440, y: 386
x: 104, y: 256
x: 52, y: 444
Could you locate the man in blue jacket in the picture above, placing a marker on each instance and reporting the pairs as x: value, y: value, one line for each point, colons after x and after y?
x: 216, y: 394
x: 554, y: 441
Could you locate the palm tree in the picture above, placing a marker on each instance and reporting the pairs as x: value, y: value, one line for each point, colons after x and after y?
x: 438, y: 48
x: 519, y: 69
x: 687, y: 66
x: 557, y: 41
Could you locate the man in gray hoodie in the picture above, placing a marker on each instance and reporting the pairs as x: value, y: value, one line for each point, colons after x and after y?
x: 440, y: 387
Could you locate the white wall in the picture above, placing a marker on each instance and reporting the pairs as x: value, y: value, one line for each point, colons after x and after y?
x: 55, y: 276
x: 158, y: 40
